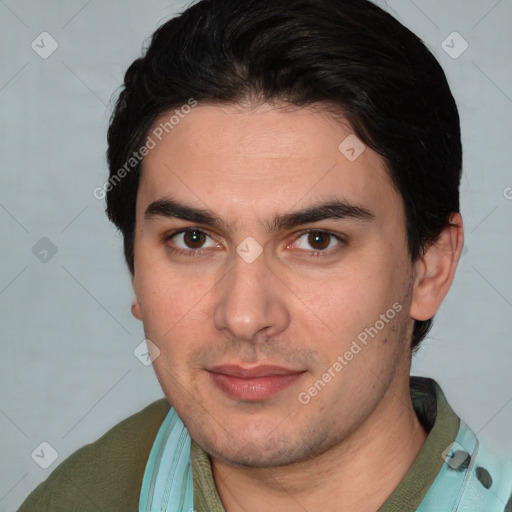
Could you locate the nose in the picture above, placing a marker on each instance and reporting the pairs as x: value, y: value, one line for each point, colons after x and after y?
x: 251, y: 302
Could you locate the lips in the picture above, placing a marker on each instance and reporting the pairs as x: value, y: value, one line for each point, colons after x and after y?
x: 253, y: 384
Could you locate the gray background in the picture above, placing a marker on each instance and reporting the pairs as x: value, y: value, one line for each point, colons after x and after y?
x: 68, y: 372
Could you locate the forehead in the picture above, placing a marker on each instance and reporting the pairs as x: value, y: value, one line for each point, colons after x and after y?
x: 229, y: 157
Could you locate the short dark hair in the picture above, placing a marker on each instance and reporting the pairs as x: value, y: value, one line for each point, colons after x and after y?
x: 349, y: 54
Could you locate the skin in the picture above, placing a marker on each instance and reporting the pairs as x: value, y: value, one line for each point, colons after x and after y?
x: 299, y: 305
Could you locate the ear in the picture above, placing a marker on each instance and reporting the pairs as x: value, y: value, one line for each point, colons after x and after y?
x: 135, y: 302
x: 435, y: 270
x: 136, y: 308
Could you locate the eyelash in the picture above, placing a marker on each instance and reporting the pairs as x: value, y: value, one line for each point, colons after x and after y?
x: 199, y: 252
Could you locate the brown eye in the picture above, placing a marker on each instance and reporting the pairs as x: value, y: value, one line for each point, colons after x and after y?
x: 190, y: 240
x: 194, y: 239
x: 319, y: 240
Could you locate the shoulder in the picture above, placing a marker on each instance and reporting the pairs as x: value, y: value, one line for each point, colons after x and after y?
x: 104, y: 475
x: 473, y: 478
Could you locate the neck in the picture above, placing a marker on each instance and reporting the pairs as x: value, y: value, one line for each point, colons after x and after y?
x: 359, y: 473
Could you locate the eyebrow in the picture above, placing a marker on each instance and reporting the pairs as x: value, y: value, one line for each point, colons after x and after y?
x: 324, y: 210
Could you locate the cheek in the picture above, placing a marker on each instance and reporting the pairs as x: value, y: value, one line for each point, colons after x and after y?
x: 171, y: 324
x: 167, y: 296
x: 349, y: 298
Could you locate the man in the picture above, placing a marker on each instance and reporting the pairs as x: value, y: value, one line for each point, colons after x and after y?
x: 285, y: 176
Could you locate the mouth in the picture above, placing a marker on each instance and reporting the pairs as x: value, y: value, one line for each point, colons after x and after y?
x: 253, y: 384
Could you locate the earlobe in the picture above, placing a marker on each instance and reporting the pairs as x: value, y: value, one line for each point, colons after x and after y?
x: 135, y: 302
x: 136, y: 309
x: 435, y: 270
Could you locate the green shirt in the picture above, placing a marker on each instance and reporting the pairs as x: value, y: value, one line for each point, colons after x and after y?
x: 107, y: 474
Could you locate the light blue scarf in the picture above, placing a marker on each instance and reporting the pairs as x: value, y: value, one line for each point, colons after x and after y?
x: 167, y: 485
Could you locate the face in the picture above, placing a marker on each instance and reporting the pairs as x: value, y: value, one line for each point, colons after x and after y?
x: 272, y: 273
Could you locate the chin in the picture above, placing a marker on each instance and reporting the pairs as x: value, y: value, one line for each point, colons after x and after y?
x: 264, y: 452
